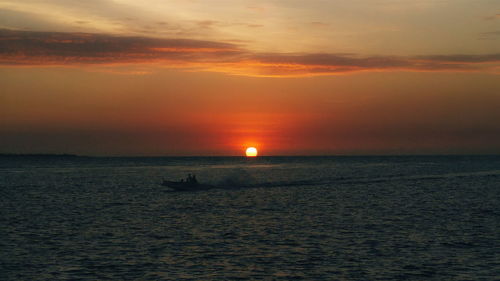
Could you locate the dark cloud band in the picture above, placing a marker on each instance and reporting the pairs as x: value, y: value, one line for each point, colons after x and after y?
x: 54, y: 48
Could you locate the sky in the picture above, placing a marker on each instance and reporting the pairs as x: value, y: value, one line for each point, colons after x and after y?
x: 194, y: 77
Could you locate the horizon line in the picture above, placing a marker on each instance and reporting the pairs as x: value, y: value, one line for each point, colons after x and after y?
x: 238, y: 156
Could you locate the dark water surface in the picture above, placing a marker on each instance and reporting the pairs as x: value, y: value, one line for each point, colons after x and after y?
x: 275, y: 218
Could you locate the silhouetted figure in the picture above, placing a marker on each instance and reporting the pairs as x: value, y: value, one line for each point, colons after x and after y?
x: 191, y: 179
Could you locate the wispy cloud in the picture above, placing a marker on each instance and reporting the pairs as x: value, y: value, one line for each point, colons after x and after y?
x: 319, y: 24
x: 255, y: 8
x: 493, y: 17
x: 207, y: 23
x: 255, y: 25
x: 492, y: 35
x: 30, y: 48
x: 489, y: 58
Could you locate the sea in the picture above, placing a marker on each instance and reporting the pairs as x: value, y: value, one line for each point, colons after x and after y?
x: 268, y: 218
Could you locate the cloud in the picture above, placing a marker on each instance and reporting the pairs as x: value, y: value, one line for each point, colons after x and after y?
x: 493, y: 17
x: 30, y: 48
x: 319, y: 24
x: 462, y: 58
x: 94, y: 16
x: 207, y: 23
x: 492, y: 35
x: 46, y: 48
x: 28, y: 20
x: 82, y: 9
x: 255, y: 25
x: 259, y: 9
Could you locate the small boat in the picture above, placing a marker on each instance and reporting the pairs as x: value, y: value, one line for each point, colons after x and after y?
x: 186, y: 186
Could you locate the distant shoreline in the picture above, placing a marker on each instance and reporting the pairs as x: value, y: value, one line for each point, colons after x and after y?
x: 41, y: 155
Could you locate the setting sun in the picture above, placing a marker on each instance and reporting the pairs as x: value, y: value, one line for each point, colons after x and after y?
x: 251, y: 152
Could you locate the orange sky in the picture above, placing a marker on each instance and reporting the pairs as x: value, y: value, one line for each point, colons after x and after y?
x: 146, y: 79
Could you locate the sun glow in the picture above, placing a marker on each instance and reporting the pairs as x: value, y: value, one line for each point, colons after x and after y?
x: 251, y: 152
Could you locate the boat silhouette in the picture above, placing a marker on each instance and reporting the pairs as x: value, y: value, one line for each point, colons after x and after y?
x: 190, y: 184
x: 186, y: 186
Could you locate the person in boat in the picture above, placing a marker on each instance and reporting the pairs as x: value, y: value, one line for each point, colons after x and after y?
x: 191, y: 179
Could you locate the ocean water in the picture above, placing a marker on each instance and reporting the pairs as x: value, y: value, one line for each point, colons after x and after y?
x: 273, y: 218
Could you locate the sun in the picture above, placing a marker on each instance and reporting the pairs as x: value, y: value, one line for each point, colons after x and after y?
x: 251, y: 152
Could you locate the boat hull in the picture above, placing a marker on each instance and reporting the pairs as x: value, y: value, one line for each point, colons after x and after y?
x: 186, y: 186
